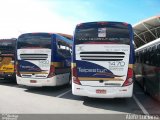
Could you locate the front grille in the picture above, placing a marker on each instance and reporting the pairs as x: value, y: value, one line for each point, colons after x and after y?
x: 33, y: 56
x: 113, y: 84
x: 102, y: 56
x: 33, y: 76
x: 26, y: 76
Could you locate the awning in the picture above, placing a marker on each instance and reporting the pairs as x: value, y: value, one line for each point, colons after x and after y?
x: 146, y: 31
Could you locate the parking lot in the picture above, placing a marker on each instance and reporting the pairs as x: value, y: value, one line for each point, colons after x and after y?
x: 59, y: 100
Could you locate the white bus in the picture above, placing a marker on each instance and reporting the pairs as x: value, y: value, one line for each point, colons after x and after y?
x: 103, y: 58
x: 43, y: 59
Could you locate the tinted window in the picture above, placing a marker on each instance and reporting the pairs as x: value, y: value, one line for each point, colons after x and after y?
x: 42, y: 40
x: 116, y: 33
x: 64, y: 49
x: 7, y: 46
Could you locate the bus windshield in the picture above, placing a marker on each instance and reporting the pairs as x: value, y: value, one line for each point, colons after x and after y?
x: 41, y: 40
x: 7, y: 46
x: 114, y: 33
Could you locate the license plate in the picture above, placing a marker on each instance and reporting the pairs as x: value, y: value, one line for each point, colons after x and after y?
x: 99, y: 91
x: 33, y: 81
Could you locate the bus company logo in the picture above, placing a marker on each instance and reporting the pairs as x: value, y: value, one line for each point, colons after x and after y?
x: 92, y: 70
x: 27, y: 67
x: 32, y: 68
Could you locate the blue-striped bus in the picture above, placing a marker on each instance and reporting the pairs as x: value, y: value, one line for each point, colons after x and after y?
x: 103, y: 59
x: 43, y: 59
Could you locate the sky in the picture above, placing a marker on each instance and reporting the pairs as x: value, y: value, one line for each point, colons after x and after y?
x: 23, y: 16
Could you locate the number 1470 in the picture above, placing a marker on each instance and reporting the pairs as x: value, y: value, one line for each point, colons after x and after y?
x: 117, y: 63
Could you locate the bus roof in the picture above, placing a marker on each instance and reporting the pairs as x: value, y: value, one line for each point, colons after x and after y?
x: 62, y: 34
x: 150, y: 44
x: 103, y: 22
x: 69, y: 41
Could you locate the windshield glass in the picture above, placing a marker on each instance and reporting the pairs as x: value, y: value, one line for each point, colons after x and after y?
x: 114, y: 33
x: 7, y: 46
x: 42, y: 40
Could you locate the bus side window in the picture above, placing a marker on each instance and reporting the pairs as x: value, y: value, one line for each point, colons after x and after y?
x: 146, y: 57
x: 63, y: 49
x: 140, y: 57
x: 154, y: 56
x: 136, y: 57
x: 149, y: 56
x: 158, y: 55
